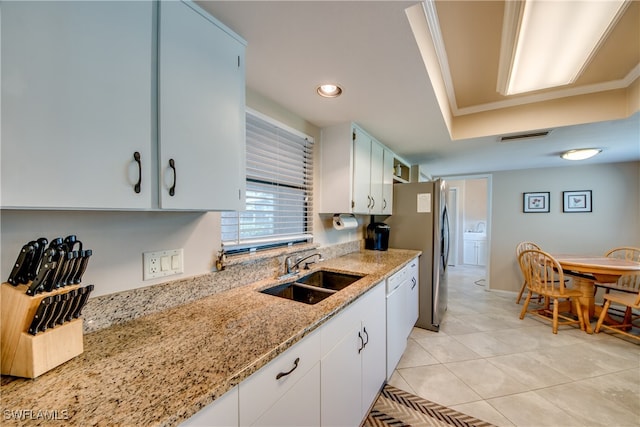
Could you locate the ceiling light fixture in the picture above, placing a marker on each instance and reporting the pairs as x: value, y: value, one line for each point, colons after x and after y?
x: 549, y: 43
x: 580, y: 154
x: 329, y: 90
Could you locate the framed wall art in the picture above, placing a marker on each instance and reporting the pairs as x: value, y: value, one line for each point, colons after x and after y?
x: 576, y: 201
x: 535, y: 202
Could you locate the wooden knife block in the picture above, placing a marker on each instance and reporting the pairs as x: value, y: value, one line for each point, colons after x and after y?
x: 26, y: 355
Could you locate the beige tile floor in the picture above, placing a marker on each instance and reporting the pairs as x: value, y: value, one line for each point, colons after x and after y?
x: 488, y: 363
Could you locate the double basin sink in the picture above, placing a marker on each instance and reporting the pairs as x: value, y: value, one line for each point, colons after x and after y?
x: 313, y: 287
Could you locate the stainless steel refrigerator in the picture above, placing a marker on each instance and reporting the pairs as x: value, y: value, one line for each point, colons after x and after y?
x: 420, y: 222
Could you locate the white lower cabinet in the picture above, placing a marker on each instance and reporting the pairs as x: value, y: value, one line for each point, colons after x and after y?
x: 353, y: 360
x: 475, y: 251
x: 413, y: 302
x: 330, y: 378
x: 285, y: 392
x: 221, y: 413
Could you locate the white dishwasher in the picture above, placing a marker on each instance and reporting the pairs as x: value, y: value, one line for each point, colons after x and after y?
x: 396, y: 313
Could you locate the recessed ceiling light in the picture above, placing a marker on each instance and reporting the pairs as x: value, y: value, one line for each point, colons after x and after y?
x: 329, y: 90
x: 581, y: 154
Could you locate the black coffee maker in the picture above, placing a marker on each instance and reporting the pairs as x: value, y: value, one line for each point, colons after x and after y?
x: 377, y: 236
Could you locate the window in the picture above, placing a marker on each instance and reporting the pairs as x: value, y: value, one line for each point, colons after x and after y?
x: 279, y: 188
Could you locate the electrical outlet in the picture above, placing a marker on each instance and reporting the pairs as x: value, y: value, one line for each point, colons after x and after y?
x: 162, y: 263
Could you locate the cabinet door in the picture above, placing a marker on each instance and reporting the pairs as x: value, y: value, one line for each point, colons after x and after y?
x: 223, y: 412
x: 76, y: 104
x: 469, y: 252
x: 373, y: 355
x: 201, y: 112
x: 481, y: 252
x: 413, y: 295
x: 261, y: 392
x: 361, y: 172
x: 341, y: 378
x: 377, y: 172
x: 300, y: 406
x: 387, y: 182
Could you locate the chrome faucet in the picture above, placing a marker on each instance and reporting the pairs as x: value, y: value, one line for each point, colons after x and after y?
x: 293, y: 267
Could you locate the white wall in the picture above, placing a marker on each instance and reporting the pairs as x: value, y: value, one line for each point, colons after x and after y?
x: 615, y: 220
x: 118, y: 239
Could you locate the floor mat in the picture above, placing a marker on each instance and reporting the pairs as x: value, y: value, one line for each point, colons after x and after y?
x: 398, y: 408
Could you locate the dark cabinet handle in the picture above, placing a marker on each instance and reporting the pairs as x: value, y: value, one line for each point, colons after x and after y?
x: 414, y: 281
x: 361, y: 342
x: 284, y: 374
x: 373, y: 202
x: 367, y: 334
x: 172, y: 190
x: 136, y: 157
x: 384, y: 204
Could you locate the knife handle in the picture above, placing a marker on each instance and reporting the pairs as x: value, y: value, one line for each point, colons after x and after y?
x: 15, y: 278
x: 58, y: 310
x: 55, y: 243
x: 40, y: 247
x: 41, y: 312
x: 76, y: 297
x: 55, y: 300
x: 71, y: 241
x: 82, y: 266
x: 69, y: 268
x: 54, y: 278
x: 68, y: 307
x: 38, y: 283
x: 83, y: 301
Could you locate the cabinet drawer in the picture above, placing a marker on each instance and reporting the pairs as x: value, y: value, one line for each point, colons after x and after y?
x: 261, y: 390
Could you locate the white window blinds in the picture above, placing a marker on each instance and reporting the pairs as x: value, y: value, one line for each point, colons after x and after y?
x: 279, y: 188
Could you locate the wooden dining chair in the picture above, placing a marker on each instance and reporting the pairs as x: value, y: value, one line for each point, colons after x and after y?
x: 523, y: 246
x: 544, y: 277
x: 628, y: 300
x: 628, y: 283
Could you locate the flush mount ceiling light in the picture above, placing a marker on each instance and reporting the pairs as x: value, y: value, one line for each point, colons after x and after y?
x: 581, y: 154
x: 549, y: 43
x: 329, y: 90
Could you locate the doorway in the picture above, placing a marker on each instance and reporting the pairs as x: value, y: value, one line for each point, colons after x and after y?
x: 469, y: 202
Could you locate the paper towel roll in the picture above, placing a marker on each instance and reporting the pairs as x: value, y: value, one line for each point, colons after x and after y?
x: 344, y: 222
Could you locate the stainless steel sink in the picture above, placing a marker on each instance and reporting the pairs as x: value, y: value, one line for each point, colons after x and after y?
x: 329, y: 279
x: 314, y: 287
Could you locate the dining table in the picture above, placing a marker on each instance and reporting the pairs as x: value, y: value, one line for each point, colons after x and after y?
x: 586, y: 270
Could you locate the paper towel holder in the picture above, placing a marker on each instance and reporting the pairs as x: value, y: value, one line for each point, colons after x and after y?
x: 344, y: 221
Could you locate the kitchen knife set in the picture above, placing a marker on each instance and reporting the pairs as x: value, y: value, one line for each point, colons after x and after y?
x: 57, y: 309
x: 45, y: 267
x: 60, y: 264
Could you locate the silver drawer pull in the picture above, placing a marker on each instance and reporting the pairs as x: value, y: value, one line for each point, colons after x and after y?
x: 284, y: 374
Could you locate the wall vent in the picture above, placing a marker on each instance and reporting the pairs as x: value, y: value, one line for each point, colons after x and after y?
x: 519, y: 136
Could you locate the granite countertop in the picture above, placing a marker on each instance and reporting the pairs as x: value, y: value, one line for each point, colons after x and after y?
x: 162, y: 368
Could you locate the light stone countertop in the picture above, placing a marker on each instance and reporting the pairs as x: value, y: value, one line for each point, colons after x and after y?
x: 162, y: 368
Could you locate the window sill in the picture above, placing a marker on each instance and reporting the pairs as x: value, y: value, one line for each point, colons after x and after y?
x: 269, y: 253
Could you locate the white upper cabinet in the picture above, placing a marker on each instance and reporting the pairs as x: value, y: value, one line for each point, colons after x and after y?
x: 361, y: 180
x: 201, y: 112
x: 387, y: 182
x: 100, y: 98
x: 76, y: 104
x: 353, y: 172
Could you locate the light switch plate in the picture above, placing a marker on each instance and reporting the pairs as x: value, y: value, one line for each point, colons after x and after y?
x: 162, y: 263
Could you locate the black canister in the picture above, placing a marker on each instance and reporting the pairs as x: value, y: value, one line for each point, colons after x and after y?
x: 377, y: 236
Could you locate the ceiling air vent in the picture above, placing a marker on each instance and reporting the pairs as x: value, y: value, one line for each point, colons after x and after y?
x: 520, y: 136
